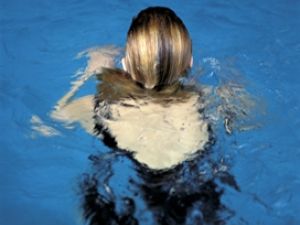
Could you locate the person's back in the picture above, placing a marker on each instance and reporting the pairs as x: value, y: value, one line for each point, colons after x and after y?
x: 161, y: 128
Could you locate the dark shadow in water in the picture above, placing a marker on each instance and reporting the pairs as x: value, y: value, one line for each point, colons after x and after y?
x: 98, y: 209
x: 172, y: 203
x: 182, y: 195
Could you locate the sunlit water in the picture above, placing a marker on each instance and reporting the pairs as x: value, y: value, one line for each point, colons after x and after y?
x: 248, y: 177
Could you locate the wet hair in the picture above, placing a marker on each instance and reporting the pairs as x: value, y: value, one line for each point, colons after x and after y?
x: 159, y: 48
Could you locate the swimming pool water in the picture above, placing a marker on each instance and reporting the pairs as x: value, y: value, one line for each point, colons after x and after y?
x: 39, y: 41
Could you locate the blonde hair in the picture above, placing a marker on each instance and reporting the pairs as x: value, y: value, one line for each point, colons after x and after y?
x: 159, y: 49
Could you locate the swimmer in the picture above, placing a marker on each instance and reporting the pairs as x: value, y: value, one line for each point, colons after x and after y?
x: 144, y: 108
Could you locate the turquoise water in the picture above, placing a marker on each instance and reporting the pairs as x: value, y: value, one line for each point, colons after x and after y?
x: 255, y: 42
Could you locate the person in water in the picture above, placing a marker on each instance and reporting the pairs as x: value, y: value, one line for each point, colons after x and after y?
x: 146, y: 110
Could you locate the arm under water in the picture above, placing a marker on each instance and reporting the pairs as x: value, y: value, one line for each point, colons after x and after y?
x: 69, y: 110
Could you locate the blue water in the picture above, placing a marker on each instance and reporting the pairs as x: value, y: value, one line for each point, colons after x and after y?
x: 39, y: 41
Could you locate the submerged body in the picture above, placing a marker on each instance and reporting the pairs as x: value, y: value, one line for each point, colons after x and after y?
x: 159, y: 136
x: 161, y: 128
x: 146, y: 111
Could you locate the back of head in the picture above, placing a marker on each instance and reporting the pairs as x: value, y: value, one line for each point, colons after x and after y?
x: 158, y: 49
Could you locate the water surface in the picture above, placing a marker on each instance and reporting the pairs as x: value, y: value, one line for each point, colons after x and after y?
x: 254, y: 43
